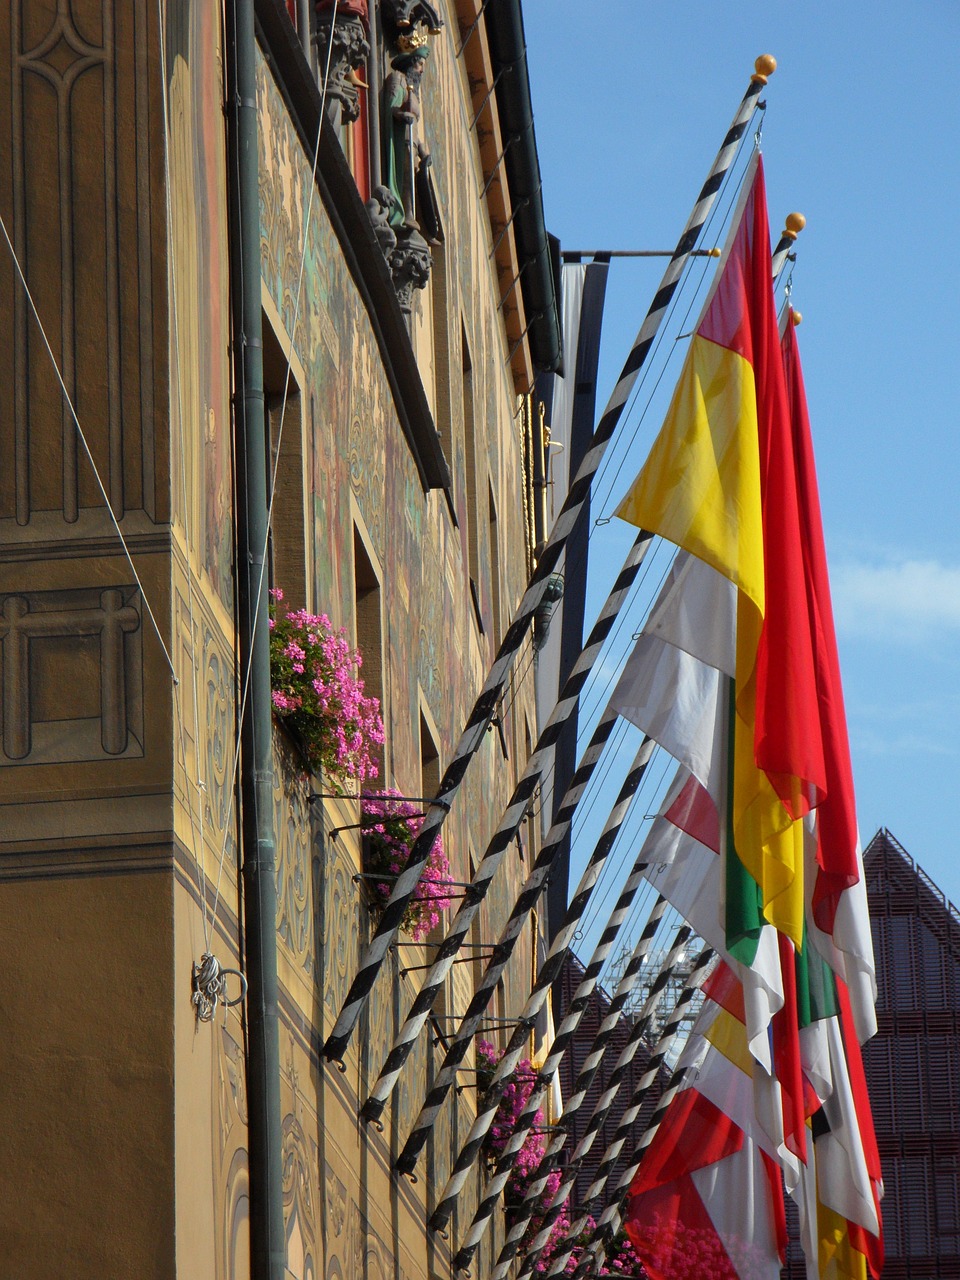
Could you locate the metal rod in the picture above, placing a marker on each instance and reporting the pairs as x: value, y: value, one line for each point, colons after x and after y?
x: 576, y: 254
x: 471, y: 29
x: 507, y: 66
x: 499, y: 161
x: 416, y: 968
x: 517, y: 208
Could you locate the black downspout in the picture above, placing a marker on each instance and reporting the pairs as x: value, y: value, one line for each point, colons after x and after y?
x: 267, y: 1247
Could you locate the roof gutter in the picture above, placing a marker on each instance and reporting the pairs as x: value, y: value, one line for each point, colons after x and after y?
x: 508, y: 54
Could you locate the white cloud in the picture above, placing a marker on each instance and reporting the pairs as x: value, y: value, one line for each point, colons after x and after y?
x: 908, y: 598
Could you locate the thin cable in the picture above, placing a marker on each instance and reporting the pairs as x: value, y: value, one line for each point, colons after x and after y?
x: 729, y: 193
x: 617, y: 647
x: 719, y: 214
x: 626, y: 841
x: 113, y: 517
x: 86, y: 447
x: 627, y: 845
x: 580, y: 553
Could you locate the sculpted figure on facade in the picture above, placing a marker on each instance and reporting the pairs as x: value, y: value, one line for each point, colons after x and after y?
x: 410, y: 209
x: 405, y: 151
x: 346, y: 25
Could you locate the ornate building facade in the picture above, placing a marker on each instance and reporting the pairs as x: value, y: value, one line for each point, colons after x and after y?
x: 407, y: 301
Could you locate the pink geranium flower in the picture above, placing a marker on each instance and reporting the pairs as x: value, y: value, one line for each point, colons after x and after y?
x: 320, y: 696
x: 391, y: 825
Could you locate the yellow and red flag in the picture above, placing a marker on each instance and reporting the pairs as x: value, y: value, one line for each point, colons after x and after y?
x: 720, y: 481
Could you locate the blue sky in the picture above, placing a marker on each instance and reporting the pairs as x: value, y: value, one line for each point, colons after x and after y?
x: 631, y: 101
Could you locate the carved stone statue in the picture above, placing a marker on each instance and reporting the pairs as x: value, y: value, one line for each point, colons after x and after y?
x: 380, y: 206
x: 401, y: 100
x: 346, y: 26
x: 410, y: 264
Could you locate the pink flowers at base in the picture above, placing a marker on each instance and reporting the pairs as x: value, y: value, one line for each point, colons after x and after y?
x: 319, y: 695
x: 390, y: 826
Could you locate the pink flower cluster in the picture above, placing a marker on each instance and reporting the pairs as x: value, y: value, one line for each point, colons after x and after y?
x: 621, y: 1259
x: 318, y: 693
x: 390, y: 827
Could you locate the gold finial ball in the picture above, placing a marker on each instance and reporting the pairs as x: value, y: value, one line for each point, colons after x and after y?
x: 794, y: 225
x: 716, y: 252
x: 766, y: 64
x: 796, y: 317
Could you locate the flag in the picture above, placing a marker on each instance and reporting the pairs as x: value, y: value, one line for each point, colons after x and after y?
x: 841, y: 1188
x: 683, y: 850
x: 676, y: 686
x: 743, y: 688
x: 707, y: 1198
x: 720, y: 482
x: 840, y: 1198
x: 840, y: 926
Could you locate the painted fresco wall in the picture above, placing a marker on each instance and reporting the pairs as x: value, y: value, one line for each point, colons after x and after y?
x: 358, y: 468
x: 209, y: 1090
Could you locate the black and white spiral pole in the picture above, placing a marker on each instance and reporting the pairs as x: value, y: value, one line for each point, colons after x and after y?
x: 664, y: 1046
x: 529, y: 895
x: 549, y: 972
x: 638, y: 1033
x: 795, y: 222
x: 612, y: 1217
x: 485, y: 706
x: 625, y: 987
x: 499, y: 844
x: 581, y: 999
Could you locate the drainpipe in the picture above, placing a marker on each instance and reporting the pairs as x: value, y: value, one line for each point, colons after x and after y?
x: 256, y: 741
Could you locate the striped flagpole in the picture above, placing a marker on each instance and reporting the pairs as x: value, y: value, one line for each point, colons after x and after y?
x: 527, y: 900
x: 612, y: 1217
x: 612, y: 1153
x: 794, y: 224
x: 602, y: 1107
x: 499, y: 844
x: 527, y: 1117
x: 511, y: 1057
x: 625, y: 988
x: 551, y: 967
x: 483, y: 710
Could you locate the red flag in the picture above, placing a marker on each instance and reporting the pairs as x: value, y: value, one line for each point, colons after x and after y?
x: 787, y: 736
x: 836, y: 817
